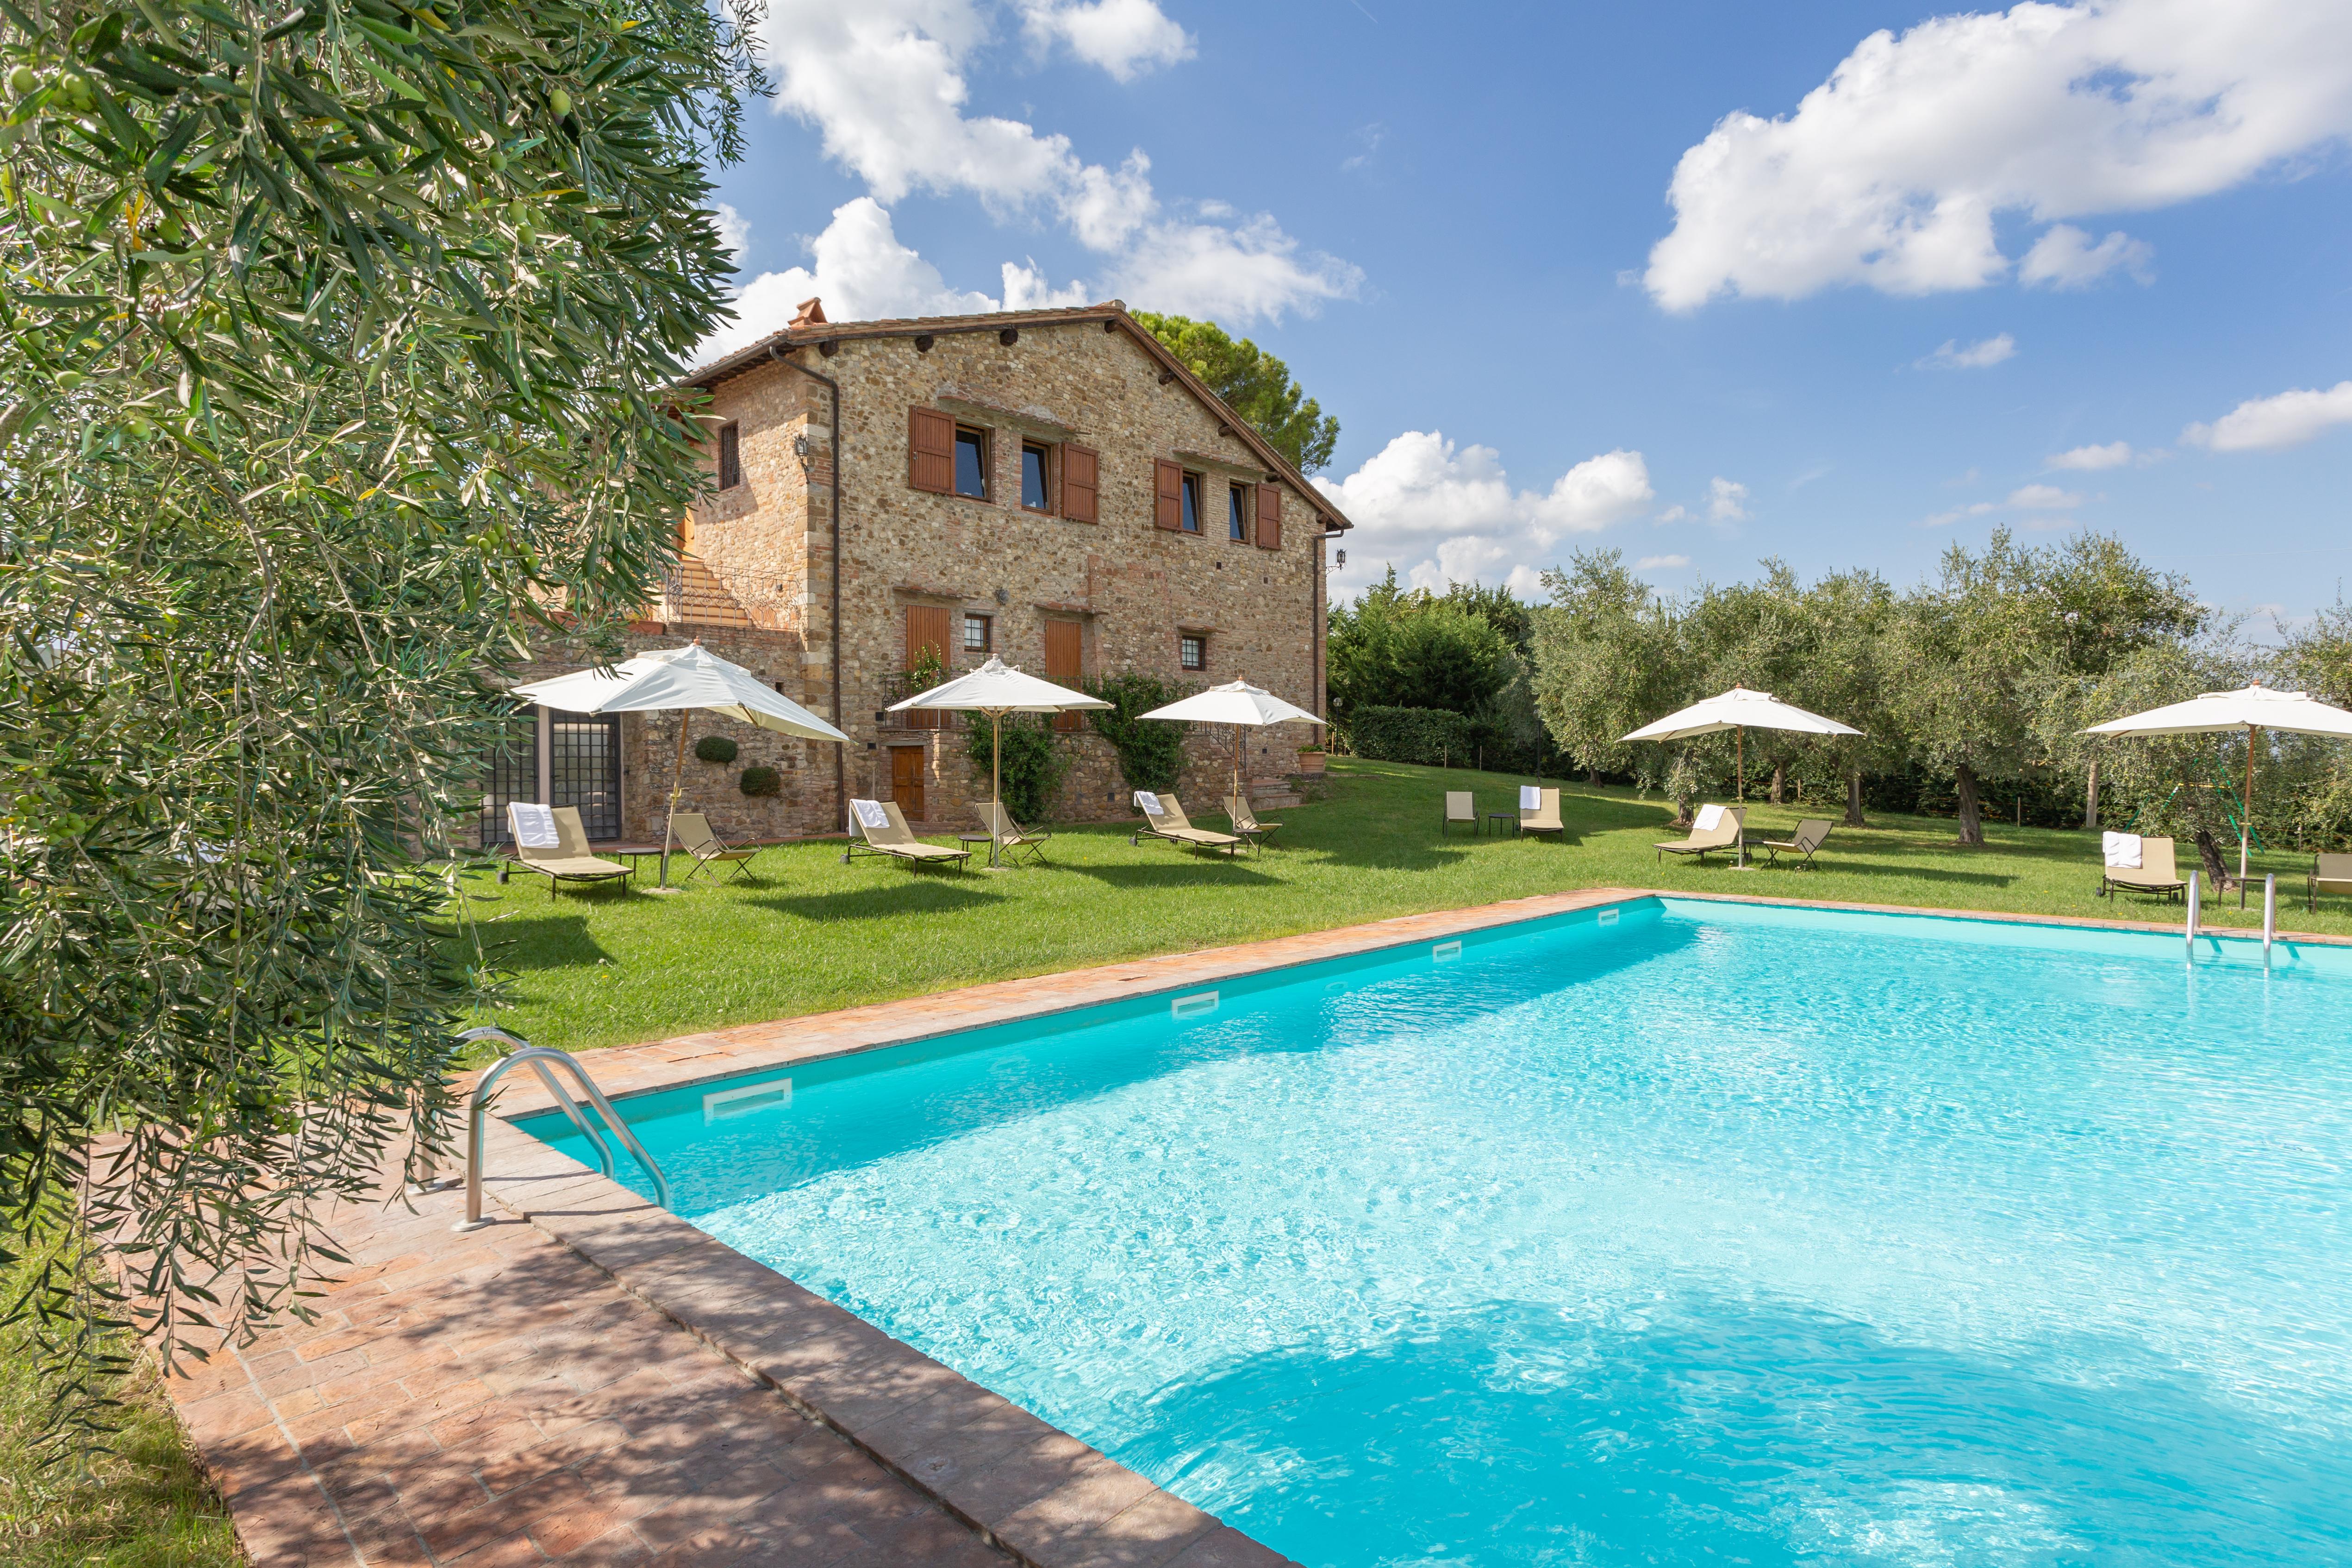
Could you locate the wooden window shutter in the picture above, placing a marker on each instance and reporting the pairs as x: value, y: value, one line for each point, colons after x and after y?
x: 1168, y: 494
x: 926, y: 631
x: 1269, y: 517
x: 1081, y: 483
x: 930, y: 450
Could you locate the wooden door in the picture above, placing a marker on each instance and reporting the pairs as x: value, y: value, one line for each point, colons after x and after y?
x: 907, y: 781
x: 1062, y: 664
x: 926, y: 631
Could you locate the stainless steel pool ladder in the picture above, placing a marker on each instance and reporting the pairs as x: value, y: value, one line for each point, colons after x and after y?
x: 543, y: 1060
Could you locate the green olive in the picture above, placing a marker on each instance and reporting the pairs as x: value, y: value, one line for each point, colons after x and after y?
x: 560, y: 102
x: 74, y: 88
x: 24, y: 81
x: 67, y: 380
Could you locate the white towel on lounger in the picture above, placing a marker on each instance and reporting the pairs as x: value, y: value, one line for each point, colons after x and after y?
x: 1148, y: 803
x: 534, y: 825
x: 1710, y: 817
x: 1530, y: 798
x: 870, y: 813
x: 2122, y: 850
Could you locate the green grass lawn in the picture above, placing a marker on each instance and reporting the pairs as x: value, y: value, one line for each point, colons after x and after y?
x: 144, y: 1505
x: 603, y: 968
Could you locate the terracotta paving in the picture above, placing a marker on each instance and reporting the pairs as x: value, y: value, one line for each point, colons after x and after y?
x: 594, y: 1380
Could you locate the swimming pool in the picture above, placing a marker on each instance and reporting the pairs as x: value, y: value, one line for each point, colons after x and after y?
x: 1676, y: 1232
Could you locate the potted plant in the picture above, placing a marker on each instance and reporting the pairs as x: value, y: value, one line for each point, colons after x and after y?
x: 1311, y: 759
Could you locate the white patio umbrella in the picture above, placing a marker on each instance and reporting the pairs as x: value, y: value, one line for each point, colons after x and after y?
x: 1740, y: 710
x: 2255, y: 709
x: 997, y: 688
x: 1237, y: 703
x: 679, y: 678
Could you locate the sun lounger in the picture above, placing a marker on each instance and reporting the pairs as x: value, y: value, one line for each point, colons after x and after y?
x: 695, y: 837
x: 1163, y: 818
x: 1245, y: 822
x: 1461, y: 806
x: 2329, y: 874
x: 1718, y: 827
x: 552, y: 841
x: 1540, y: 814
x: 2155, y: 873
x: 882, y: 830
x: 1802, y: 844
x: 1009, y: 835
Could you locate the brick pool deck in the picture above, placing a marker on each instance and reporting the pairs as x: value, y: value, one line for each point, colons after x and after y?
x: 592, y: 1380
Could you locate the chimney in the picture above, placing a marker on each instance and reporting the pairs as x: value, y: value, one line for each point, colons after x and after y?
x: 810, y: 314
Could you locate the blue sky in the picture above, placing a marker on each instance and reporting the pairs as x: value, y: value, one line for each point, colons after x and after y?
x: 1705, y: 282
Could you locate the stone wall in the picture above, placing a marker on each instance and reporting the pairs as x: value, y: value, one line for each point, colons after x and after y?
x: 1132, y: 588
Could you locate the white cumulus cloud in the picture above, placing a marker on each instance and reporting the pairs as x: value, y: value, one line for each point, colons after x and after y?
x: 2043, y: 497
x: 2090, y: 460
x: 1125, y: 37
x: 1444, y: 512
x: 1660, y: 562
x: 886, y: 84
x: 1980, y: 355
x: 1726, y: 500
x: 1893, y: 174
x: 862, y: 271
x: 2066, y: 258
x: 2268, y: 423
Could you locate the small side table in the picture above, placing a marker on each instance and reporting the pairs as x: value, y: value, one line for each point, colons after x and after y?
x: 1509, y: 819
x: 972, y: 841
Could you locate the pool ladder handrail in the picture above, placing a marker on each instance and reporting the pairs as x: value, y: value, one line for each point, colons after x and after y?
x: 543, y: 1060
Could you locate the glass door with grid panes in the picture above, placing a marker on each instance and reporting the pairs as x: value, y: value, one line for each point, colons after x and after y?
x: 583, y: 768
x: 513, y: 775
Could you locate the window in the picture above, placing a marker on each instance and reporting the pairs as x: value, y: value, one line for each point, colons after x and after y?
x: 1192, y: 650
x: 978, y: 633
x: 972, y: 463
x: 730, y: 458
x: 1191, y: 503
x: 1033, y: 493
x: 1237, y: 513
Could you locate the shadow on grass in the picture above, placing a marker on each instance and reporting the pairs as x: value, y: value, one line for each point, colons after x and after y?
x: 539, y: 940
x: 1192, y: 871
x: 928, y: 895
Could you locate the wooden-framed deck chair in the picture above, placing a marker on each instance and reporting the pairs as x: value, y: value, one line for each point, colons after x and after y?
x: 2329, y: 874
x: 552, y: 841
x: 1163, y: 818
x: 1245, y: 822
x: 882, y: 830
x: 2136, y: 865
x: 1009, y: 835
x: 1716, y: 828
x: 694, y: 836
x: 1540, y: 814
x: 1461, y: 806
x: 1809, y: 837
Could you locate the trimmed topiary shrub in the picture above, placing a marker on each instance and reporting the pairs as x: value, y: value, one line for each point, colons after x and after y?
x: 1427, y: 736
x: 759, y: 782
x: 715, y: 749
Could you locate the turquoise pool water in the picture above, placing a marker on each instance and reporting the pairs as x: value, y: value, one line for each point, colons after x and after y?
x: 1689, y: 1233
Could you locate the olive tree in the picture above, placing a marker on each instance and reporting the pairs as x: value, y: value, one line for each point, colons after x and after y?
x: 341, y: 337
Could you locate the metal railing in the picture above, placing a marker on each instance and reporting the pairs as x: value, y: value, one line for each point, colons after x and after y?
x: 543, y: 1060
x: 900, y: 686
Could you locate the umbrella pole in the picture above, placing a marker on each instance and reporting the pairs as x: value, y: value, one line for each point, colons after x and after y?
x: 677, y: 774
x: 996, y: 780
x: 2246, y: 813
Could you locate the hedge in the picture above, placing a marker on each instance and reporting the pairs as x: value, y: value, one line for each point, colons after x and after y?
x: 1430, y: 735
x: 715, y: 749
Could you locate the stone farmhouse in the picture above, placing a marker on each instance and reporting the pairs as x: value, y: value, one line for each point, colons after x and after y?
x: 1053, y: 488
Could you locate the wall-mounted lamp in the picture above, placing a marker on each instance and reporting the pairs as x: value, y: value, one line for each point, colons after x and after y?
x: 1002, y: 597
x: 1343, y: 558
x: 801, y: 446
